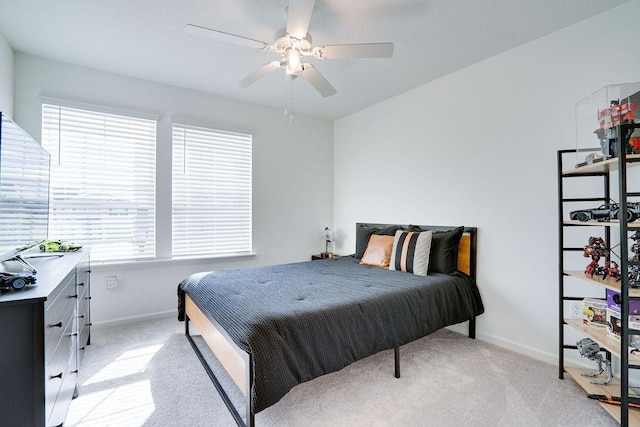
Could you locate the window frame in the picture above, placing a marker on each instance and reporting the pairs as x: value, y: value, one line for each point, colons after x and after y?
x: 152, y: 243
x: 219, y: 129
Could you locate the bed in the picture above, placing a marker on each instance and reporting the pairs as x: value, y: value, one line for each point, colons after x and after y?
x: 274, y: 327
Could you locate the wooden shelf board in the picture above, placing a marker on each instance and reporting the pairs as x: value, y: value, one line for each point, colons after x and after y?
x: 608, y: 283
x: 600, y: 336
x: 604, y: 166
x: 634, y: 224
x: 612, y: 388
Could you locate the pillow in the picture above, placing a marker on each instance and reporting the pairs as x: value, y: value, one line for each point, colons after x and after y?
x: 411, y: 252
x: 363, y: 233
x: 378, y: 252
x: 444, y: 251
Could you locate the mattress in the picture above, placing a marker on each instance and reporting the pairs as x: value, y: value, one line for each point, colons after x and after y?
x: 303, y: 320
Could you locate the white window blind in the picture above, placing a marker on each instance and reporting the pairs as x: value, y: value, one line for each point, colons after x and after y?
x: 211, y: 192
x: 102, y: 181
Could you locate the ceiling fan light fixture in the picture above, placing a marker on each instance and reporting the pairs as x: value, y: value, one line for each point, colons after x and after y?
x: 292, y: 58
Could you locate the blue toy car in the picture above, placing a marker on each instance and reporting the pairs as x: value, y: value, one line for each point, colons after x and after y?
x: 15, y: 281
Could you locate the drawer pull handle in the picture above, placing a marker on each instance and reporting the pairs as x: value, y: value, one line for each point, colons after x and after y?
x: 88, y: 298
x: 81, y: 316
x: 73, y: 296
x: 82, y: 348
x: 56, y: 325
x: 75, y: 334
x: 74, y: 372
x: 89, y: 324
x: 81, y: 284
x: 56, y: 376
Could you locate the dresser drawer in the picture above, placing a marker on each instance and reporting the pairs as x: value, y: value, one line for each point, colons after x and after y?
x: 66, y: 391
x: 57, y: 366
x: 83, y: 342
x: 83, y: 309
x: 58, y: 316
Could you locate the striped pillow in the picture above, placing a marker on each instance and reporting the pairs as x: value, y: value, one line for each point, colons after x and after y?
x: 411, y: 252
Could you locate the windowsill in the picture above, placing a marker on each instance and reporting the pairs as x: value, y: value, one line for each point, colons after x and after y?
x: 111, y: 265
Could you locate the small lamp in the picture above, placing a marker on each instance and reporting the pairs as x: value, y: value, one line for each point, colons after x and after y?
x: 329, y: 238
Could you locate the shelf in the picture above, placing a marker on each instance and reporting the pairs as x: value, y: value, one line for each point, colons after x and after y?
x: 600, y: 167
x: 611, y: 173
x: 600, y: 336
x: 608, y: 283
x: 612, y: 389
x: 634, y: 224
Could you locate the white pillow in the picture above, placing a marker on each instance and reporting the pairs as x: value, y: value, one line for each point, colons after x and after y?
x: 411, y: 252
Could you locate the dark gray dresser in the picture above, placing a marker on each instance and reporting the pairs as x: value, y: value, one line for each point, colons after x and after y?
x: 44, y: 330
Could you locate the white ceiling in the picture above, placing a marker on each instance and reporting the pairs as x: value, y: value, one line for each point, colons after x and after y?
x: 146, y: 39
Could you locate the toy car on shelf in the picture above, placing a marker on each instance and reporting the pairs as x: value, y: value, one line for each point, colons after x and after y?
x: 15, y: 281
x: 58, y: 246
x: 606, y: 212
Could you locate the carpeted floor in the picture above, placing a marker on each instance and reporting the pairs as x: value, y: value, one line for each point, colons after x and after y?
x: 146, y: 374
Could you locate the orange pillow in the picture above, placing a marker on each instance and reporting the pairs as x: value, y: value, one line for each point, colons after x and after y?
x: 378, y: 252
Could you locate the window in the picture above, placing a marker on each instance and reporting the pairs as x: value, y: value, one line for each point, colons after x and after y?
x: 211, y: 192
x: 102, y: 181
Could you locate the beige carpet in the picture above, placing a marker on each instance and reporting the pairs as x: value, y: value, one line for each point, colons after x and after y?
x: 146, y: 374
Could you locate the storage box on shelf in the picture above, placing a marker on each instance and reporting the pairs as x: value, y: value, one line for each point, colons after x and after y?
x: 614, y: 302
x: 594, y: 312
x: 608, y: 144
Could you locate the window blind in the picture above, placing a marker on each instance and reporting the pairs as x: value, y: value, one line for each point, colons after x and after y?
x: 211, y: 209
x: 102, y: 181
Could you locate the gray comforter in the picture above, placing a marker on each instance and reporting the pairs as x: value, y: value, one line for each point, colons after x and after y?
x: 300, y: 321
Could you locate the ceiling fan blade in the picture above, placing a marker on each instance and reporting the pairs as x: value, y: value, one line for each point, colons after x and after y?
x: 298, y: 17
x: 221, y: 36
x: 259, y: 73
x: 361, y: 50
x: 317, y: 80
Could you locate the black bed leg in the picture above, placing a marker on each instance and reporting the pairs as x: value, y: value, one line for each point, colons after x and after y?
x: 396, y: 359
x: 249, y: 418
x: 472, y: 328
x: 186, y: 324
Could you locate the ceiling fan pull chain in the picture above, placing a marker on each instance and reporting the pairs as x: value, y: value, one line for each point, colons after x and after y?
x: 286, y: 95
x: 291, y: 103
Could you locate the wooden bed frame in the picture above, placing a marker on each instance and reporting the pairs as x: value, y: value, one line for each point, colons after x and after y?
x: 238, y: 363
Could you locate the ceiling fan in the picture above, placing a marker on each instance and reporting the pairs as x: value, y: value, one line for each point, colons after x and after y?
x: 292, y: 44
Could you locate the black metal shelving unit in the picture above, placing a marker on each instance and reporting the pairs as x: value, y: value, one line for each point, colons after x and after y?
x: 622, y: 413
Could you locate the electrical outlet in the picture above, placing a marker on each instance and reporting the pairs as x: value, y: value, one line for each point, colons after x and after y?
x: 576, y: 309
x: 111, y: 282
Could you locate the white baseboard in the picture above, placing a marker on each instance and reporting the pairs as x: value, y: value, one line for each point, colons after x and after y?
x: 533, y: 352
x: 133, y: 319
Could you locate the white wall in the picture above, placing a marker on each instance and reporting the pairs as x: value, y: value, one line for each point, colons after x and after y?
x: 292, y: 169
x: 478, y: 147
x: 6, y: 77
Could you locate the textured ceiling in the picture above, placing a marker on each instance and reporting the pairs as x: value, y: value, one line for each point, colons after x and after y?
x: 146, y: 39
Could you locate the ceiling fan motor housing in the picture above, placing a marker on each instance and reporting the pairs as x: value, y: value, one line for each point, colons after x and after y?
x: 284, y: 41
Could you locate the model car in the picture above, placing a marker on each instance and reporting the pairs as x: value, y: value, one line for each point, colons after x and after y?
x: 58, y: 246
x: 605, y: 212
x: 9, y: 281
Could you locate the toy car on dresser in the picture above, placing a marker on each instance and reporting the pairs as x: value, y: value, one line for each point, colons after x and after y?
x: 606, y: 212
x: 15, y: 281
x: 58, y: 246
